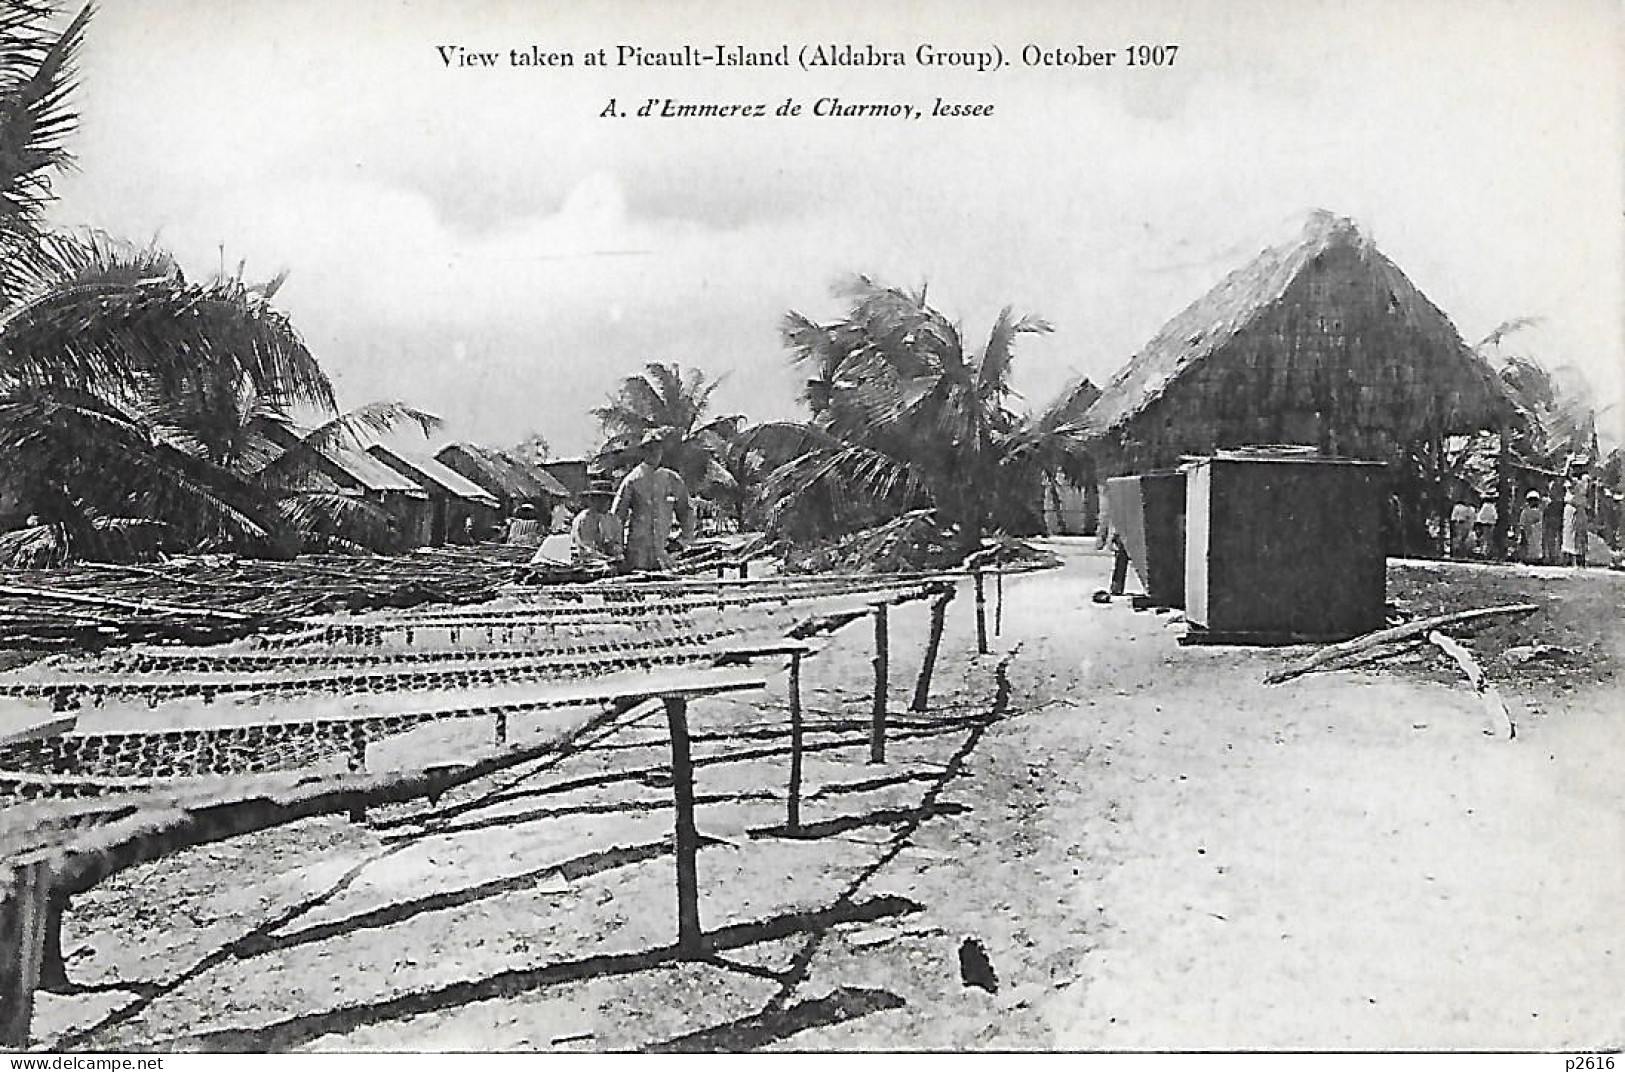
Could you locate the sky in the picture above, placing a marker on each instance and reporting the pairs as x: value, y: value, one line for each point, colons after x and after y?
x: 485, y: 244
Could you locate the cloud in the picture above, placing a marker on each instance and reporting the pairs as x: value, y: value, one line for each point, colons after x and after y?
x: 487, y: 246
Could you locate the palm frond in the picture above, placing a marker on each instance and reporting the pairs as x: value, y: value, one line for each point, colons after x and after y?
x: 361, y: 427
x: 36, y: 80
x: 993, y: 372
x: 110, y: 461
x: 853, y: 478
x: 107, y: 334
x: 357, y: 428
x: 1505, y: 328
x: 330, y: 520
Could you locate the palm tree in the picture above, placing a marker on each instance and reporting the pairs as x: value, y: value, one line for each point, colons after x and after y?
x: 36, y: 79
x: 127, y: 390
x: 673, y: 404
x: 904, y: 417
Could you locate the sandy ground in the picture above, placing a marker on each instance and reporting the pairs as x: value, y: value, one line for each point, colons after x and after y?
x: 1157, y: 850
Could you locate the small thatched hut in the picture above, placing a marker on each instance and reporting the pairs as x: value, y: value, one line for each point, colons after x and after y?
x: 1071, y: 503
x: 350, y: 471
x: 456, y: 504
x: 513, y: 482
x: 1321, y: 341
x: 573, y: 474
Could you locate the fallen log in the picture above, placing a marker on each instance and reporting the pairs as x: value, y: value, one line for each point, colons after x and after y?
x: 1333, y: 652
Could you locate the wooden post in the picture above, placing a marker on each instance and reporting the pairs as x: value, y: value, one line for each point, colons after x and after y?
x: 1119, y: 567
x: 23, y: 894
x: 998, y: 599
x: 53, y: 970
x: 1507, y: 502
x: 744, y: 569
x: 981, y: 615
x: 877, y: 721
x: 933, y: 642
x: 502, y: 727
x: 690, y: 941
x: 792, y: 812
x: 1439, y: 501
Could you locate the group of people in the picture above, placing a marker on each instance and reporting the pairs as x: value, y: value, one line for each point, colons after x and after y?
x: 1553, y: 532
x: 633, y: 528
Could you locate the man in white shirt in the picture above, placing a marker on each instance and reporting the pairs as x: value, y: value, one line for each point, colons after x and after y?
x: 649, y: 499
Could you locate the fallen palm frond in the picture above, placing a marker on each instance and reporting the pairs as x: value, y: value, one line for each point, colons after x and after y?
x: 1501, y: 724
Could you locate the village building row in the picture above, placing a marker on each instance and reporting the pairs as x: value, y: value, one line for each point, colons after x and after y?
x: 462, y: 492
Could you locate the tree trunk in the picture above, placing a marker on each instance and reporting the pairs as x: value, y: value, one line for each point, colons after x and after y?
x: 969, y: 537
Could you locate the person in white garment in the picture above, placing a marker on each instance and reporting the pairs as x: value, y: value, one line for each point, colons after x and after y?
x: 650, y: 499
x: 595, y: 534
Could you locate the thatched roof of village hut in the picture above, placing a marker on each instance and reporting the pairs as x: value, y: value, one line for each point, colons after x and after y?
x: 1322, y: 340
x: 348, y: 467
x: 503, y: 474
x: 434, y: 477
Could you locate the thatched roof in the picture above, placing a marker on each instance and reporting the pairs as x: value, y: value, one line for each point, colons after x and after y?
x: 349, y: 467
x: 370, y: 473
x: 504, y: 474
x: 1246, y: 296
x: 432, y: 475
x: 1074, y: 401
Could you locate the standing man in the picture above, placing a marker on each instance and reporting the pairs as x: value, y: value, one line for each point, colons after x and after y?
x: 649, y: 499
x: 1484, y: 527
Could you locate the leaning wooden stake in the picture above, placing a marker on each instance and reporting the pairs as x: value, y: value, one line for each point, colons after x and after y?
x: 933, y: 642
x: 792, y: 814
x: 24, y: 891
x: 877, y: 721
x: 981, y: 615
x: 1333, y: 652
x: 690, y: 941
x: 53, y: 969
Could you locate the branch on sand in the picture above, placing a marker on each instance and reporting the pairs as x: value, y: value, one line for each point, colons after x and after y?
x: 1335, y: 652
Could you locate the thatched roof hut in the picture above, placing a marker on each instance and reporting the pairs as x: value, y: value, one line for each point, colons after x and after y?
x: 573, y: 474
x: 1321, y: 341
x: 509, y: 479
x: 348, y: 470
x: 456, y: 503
